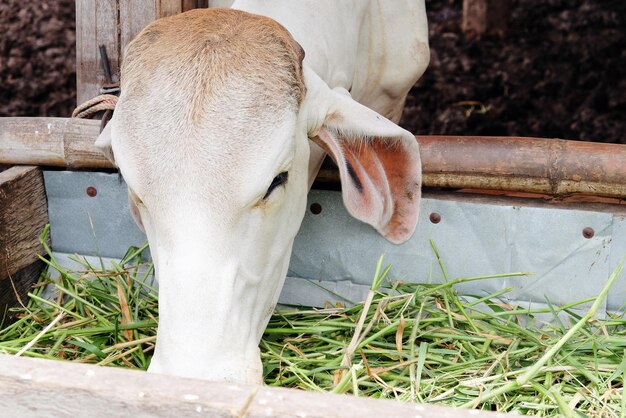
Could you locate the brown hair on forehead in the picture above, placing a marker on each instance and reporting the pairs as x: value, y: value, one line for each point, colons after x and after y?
x: 203, y: 54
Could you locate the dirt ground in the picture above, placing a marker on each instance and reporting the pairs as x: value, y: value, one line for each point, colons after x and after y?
x: 37, y: 58
x: 560, y: 71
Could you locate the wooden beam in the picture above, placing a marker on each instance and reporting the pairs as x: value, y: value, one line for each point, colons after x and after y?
x: 45, y: 388
x: 23, y: 216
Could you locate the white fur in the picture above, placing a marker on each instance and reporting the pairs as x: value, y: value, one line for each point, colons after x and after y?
x: 221, y: 252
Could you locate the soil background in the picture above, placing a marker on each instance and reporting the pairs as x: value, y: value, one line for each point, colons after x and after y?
x: 560, y: 70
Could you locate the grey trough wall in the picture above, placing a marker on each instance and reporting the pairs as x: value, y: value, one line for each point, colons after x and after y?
x: 336, y: 252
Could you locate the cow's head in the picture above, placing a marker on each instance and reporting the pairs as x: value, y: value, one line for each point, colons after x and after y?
x: 212, y: 134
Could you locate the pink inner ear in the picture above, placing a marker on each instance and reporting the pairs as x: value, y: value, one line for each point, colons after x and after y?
x: 381, y: 182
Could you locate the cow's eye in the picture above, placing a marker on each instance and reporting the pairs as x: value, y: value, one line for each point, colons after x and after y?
x: 279, y: 180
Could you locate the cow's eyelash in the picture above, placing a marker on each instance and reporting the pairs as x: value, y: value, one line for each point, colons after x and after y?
x: 279, y: 180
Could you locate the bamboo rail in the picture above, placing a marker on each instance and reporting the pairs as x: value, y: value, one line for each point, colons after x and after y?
x: 54, y: 142
x: 547, y: 166
x: 553, y: 167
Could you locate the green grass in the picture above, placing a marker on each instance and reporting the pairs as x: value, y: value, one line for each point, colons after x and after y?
x: 412, y: 342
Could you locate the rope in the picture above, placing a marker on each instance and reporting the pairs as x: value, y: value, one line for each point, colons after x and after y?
x: 95, y: 105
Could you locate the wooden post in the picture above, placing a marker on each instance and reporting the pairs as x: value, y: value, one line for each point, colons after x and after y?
x: 113, y: 23
x: 96, y: 24
x: 485, y: 17
x: 23, y: 216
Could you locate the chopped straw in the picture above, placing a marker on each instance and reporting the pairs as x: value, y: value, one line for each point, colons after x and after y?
x: 411, y: 342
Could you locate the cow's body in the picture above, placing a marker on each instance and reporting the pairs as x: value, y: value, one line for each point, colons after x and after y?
x: 374, y: 49
x: 211, y: 133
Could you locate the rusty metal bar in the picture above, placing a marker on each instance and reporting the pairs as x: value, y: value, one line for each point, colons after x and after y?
x: 552, y: 167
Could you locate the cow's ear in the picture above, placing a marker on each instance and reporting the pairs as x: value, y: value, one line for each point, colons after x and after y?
x: 103, y: 143
x: 378, y: 162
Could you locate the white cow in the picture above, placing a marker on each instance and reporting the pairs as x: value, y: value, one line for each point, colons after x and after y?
x: 215, y: 133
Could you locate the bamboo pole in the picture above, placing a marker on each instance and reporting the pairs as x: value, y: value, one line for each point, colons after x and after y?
x: 54, y: 142
x: 553, y: 167
x: 548, y: 166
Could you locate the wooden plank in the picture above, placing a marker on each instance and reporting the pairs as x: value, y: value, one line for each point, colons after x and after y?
x: 189, y: 5
x: 195, y: 4
x: 85, y: 39
x: 44, y: 388
x: 134, y: 16
x: 23, y: 216
x: 58, y: 142
x: 96, y: 24
x: 169, y: 7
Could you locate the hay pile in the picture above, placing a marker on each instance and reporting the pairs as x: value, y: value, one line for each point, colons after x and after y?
x: 412, y: 342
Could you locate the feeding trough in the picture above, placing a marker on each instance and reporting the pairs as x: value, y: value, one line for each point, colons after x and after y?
x: 569, y: 241
x: 552, y: 208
